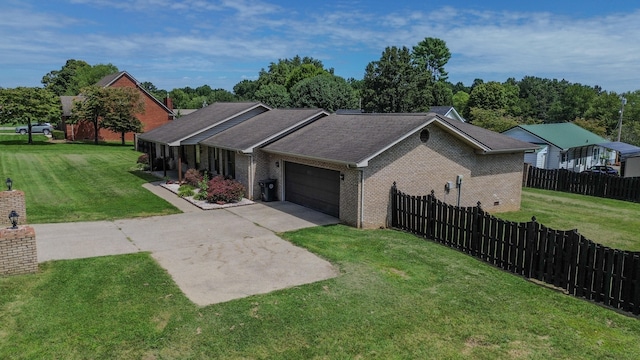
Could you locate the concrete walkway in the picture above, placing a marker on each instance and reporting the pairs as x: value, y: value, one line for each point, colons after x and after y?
x: 213, y: 256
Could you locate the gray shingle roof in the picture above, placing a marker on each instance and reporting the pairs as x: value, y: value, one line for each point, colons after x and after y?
x: 67, y: 104
x: 263, y: 128
x: 197, y: 122
x: 108, y: 79
x: 354, y: 139
x: 492, y: 141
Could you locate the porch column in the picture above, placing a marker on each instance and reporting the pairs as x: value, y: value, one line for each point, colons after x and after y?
x: 179, y: 164
x: 164, y: 162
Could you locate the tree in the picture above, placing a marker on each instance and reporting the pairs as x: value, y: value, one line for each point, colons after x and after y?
x: 91, y: 107
x: 593, y: 125
x: 395, y: 84
x: 246, y: 89
x: 442, y: 94
x: 605, y: 108
x: 90, y: 75
x: 325, y: 91
x: 63, y: 81
x: 460, y: 100
x: 302, y: 72
x: 159, y: 94
x: 108, y: 107
x: 29, y: 104
x: 573, y: 103
x: 488, y: 96
x: 492, y: 119
x: 433, y: 54
x: 221, y: 95
x: 273, y: 95
x: 75, y: 75
x: 287, y: 72
x: 123, y: 104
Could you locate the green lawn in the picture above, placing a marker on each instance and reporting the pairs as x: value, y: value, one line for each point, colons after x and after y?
x: 78, y: 182
x: 398, y: 297
x: 609, y: 222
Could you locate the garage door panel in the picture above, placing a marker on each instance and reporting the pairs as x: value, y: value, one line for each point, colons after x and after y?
x: 313, y: 187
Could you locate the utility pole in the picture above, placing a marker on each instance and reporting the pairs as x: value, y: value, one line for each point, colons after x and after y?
x: 623, y: 102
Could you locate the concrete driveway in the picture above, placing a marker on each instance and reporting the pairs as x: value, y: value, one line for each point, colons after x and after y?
x: 213, y: 256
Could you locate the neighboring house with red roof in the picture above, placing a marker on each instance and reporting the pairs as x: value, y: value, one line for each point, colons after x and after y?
x: 345, y: 164
x: 156, y: 113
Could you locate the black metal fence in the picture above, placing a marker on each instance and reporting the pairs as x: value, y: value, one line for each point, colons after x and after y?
x: 564, y: 259
x: 594, y: 184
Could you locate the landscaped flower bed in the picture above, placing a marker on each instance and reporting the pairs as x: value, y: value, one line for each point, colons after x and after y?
x: 216, y: 193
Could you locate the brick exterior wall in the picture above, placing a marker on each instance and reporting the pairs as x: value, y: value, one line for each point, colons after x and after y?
x: 12, y: 200
x: 18, y: 254
x: 417, y: 168
x: 155, y: 115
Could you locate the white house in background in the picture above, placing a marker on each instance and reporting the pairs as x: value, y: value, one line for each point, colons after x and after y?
x: 447, y: 111
x: 563, y: 146
x: 628, y: 156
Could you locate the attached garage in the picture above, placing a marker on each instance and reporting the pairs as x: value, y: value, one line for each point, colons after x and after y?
x: 312, y: 187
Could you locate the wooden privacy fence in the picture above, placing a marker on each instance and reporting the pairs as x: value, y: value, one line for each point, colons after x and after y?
x: 594, y: 184
x: 564, y: 259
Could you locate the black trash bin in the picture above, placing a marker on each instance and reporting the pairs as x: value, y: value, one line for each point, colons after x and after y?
x: 268, y: 189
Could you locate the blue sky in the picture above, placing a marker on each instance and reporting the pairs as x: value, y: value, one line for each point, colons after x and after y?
x: 178, y: 43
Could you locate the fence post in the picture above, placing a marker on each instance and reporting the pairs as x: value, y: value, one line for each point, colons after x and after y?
x: 394, y: 205
x: 530, y: 248
x: 430, y: 214
x: 476, y: 237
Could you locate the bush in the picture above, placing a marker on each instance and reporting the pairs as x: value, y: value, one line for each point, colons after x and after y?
x: 193, y: 177
x: 200, y: 195
x: 57, y: 135
x: 186, y: 190
x: 143, y: 159
x: 221, y: 190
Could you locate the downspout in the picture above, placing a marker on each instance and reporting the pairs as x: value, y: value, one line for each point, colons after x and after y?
x: 282, y: 180
x: 361, y: 198
x: 251, y: 176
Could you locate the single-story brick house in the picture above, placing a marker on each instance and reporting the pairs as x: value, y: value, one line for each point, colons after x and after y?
x: 156, y: 113
x: 345, y: 164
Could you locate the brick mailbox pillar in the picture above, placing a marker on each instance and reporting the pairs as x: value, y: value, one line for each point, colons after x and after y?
x: 18, y: 253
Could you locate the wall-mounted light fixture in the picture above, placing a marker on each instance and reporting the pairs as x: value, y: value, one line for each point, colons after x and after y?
x: 277, y: 164
x: 9, y: 184
x: 342, y: 176
x: 13, y: 217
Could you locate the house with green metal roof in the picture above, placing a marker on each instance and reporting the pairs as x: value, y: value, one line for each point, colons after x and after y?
x: 563, y: 146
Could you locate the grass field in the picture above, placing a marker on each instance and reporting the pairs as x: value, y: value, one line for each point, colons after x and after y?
x: 78, y: 182
x: 609, y: 222
x: 399, y: 297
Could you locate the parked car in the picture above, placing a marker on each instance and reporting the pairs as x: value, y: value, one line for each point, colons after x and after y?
x: 44, y: 128
x: 602, y: 169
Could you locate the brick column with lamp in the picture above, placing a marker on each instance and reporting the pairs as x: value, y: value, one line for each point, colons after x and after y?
x: 18, y: 253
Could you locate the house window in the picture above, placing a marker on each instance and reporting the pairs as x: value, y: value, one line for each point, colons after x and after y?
x: 563, y: 157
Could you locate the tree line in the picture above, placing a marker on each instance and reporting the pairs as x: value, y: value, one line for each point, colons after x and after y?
x: 402, y: 80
